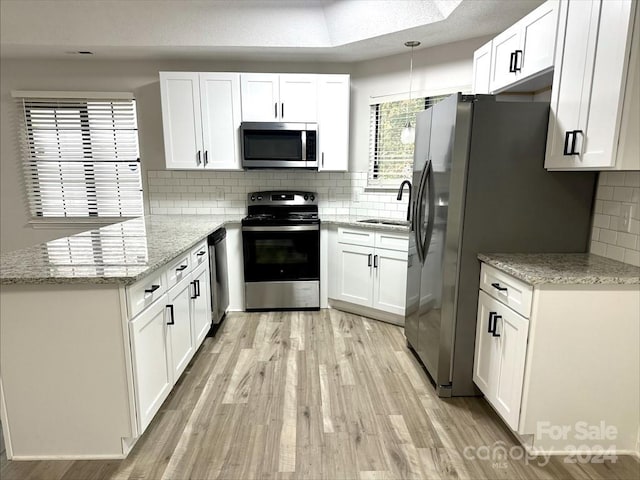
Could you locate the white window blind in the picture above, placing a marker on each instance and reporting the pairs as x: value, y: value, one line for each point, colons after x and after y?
x: 391, y: 161
x: 81, y: 157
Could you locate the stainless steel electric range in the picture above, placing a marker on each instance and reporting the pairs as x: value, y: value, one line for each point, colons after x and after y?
x: 281, y: 245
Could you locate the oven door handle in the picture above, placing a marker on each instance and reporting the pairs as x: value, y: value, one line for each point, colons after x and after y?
x: 282, y: 228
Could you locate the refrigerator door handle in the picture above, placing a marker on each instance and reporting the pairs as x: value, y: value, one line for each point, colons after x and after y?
x: 430, y: 221
x: 418, y: 213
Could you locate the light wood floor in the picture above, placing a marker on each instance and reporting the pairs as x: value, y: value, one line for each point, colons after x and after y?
x: 322, y: 395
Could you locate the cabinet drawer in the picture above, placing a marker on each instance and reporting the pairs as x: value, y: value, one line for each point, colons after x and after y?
x: 392, y: 241
x: 355, y: 236
x: 199, y: 254
x: 510, y: 291
x: 144, y: 292
x: 178, y: 269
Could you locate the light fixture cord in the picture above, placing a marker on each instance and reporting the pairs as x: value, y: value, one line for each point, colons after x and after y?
x: 410, y: 85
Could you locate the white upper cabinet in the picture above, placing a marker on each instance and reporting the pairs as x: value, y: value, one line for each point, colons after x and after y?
x: 525, y: 50
x: 272, y: 97
x: 333, y: 121
x: 200, y: 118
x: 482, y: 68
x: 594, y: 101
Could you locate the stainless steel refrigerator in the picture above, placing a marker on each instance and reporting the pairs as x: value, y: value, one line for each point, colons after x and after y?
x: 480, y: 187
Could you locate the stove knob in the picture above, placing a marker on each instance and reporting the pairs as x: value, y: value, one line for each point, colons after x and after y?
x: 259, y: 197
x: 306, y: 197
x: 313, y: 198
x: 253, y: 198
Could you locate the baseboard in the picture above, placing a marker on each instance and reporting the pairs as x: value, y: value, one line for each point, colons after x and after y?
x: 367, y: 312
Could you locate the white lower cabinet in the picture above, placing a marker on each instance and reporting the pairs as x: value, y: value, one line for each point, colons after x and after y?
x: 501, y: 345
x: 546, y: 359
x: 179, y: 322
x: 370, y: 270
x: 150, y: 352
x: 201, y: 303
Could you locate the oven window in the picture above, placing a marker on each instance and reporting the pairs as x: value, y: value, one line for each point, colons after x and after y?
x: 272, y: 145
x: 279, y: 256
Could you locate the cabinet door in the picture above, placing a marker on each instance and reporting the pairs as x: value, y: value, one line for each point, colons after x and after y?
x: 179, y: 330
x: 333, y: 122
x: 260, y: 97
x: 151, y: 367
x: 588, y: 85
x: 181, y: 121
x: 220, y: 106
x: 390, y: 281
x: 482, y: 68
x: 487, y: 349
x: 502, y: 59
x: 538, y: 39
x: 355, y: 274
x: 200, y: 304
x: 513, y: 332
x: 298, y: 98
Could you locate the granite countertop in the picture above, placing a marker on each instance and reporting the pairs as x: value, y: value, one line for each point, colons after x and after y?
x: 563, y: 268
x: 121, y: 253
x: 356, y: 221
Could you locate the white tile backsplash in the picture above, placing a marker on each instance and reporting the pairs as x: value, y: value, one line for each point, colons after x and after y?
x: 203, y: 192
x: 616, y: 189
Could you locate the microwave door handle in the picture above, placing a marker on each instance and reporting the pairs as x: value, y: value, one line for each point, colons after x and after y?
x: 303, y: 138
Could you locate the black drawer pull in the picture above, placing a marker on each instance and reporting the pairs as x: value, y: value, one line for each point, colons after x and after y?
x: 498, y: 287
x: 369, y: 260
x: 172, y: 321
x: 495, y: 326
x: 152, y: 289
x: 200, y: 253
x: 181, y: 268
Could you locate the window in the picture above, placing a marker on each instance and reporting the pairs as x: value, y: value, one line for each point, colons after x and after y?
x: 81, y: 157
x: 391, y: 161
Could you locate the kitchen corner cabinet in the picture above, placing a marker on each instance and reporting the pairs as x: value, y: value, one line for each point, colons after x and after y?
x: 541, y: 350
x: 595, y: 100
x: 333, y: 121
x: 525, y: 50
x: 200, y: 118
x: 272, y: 97
x: 369, y: 270
x: 482, y: 69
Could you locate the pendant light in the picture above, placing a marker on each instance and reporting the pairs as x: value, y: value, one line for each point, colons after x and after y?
x: 408, y: 132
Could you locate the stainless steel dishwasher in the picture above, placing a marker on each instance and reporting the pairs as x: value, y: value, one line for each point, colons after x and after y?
x: 219, y: 277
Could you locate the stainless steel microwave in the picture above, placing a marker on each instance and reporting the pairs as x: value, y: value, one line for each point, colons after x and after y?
x: 279, y: 145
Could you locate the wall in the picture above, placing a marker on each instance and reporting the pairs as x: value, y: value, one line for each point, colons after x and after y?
x: 434, y: 69
x: 614, y: 190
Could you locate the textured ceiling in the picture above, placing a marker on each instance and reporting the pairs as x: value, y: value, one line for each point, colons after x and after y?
x: 316, y: 30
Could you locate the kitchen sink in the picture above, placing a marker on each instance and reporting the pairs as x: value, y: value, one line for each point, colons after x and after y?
x: 380, y: 221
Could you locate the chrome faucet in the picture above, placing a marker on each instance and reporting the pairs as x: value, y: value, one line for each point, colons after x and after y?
x: 408, y: 183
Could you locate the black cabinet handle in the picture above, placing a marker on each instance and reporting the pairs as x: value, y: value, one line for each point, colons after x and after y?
x: 275, y: 110
x: 369, y: 260
x: 152, y: 289
x: 491, y: 328
x: 573, y: 135
x: 512, y: 63
x: 323, y: 159
x: 172, y: 321
x: 375, y: 261
x: 181, y: 268
x: 197, y: 285
x: 200, y: 253
x: 195, y: 292
x: 498, y: 287
x: 198, y: 161
x: 495, y: 326
x: 517, y: 66
x: 282, y: 110
x: 206, y: 157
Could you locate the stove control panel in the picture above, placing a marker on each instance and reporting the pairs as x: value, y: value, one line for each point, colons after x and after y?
x: 283, y: 198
